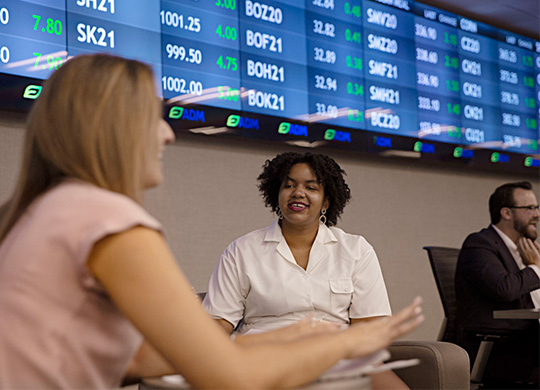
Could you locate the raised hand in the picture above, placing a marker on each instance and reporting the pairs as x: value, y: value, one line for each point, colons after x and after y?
x: 369, y: 337
x: 529, y: 251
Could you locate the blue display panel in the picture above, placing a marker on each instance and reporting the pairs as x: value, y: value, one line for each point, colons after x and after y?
x: 367, y: 75
x: 200, y: 54
x: 437, y: 76
x: 32, y: 37
x: 129, y: 29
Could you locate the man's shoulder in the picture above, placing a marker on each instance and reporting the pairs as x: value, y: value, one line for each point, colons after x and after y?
x: 485, y: 236
x: 481, y: 243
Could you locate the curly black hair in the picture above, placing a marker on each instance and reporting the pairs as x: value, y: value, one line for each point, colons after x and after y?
x: 327, y: 171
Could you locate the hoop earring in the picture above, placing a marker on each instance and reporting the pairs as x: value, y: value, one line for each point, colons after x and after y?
x: 322, y: 218
x: 278, y: 212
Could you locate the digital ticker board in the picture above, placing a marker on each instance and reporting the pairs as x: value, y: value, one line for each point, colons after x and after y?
x: 373, y: 76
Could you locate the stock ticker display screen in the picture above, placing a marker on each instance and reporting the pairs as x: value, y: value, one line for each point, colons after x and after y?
x: 386, y: 76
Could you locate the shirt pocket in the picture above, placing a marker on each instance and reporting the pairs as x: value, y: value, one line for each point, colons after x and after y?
x: 341, y: 291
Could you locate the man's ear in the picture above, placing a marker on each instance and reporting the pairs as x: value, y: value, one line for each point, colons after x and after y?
x: 506, y: 213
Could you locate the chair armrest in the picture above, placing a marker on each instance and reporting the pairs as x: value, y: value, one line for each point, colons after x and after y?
x: 442, y: 365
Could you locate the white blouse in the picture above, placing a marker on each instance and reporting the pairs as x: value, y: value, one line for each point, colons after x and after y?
x: 258, y: 281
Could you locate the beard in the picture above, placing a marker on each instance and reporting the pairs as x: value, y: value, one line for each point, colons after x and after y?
x: 525, y: 229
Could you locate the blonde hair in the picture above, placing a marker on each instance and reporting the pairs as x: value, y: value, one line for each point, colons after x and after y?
x: 92, y: 121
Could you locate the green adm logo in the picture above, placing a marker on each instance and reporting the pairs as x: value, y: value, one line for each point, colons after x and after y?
x: 242, y: 122
x: 233, y: 120
x: 284, y: 128
x: 292, y: 129
x: 176, y: 112
x: 187, y: 114
x: 32, y: 91
x: 335, y: 135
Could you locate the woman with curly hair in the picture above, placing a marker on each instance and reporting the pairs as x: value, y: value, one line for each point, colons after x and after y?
x: 301, y: 265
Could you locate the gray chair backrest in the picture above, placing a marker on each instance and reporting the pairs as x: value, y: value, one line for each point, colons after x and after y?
x: 443, y: 262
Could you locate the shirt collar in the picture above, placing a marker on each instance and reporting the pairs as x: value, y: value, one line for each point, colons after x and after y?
x: 324, y: 235
x: 507, y: 240
x: 511, y: 245
x: 318, y: 249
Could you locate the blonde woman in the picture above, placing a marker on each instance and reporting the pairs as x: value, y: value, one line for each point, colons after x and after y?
x: 85, y: 273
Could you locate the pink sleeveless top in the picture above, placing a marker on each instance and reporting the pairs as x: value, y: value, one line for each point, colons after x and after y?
x: 58, y: 326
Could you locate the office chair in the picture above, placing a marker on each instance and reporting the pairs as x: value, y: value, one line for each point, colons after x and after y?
x: 443, y: 264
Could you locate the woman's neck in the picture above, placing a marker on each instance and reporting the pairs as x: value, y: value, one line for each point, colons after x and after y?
x: 299, y: 236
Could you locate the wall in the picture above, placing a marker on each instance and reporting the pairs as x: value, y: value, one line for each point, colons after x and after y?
x: 210, y: 198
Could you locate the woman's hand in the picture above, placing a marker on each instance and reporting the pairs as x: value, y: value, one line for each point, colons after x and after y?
x: 369, y: 337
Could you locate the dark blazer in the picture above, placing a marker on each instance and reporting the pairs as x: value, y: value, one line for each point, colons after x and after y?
x: 487, y: 279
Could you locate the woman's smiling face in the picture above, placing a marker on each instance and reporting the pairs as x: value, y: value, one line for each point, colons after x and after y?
x: 301, y: 197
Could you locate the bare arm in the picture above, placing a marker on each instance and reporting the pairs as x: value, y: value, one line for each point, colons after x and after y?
x: 141, y: 276
x: 147, y: 362
x: 226, y: 325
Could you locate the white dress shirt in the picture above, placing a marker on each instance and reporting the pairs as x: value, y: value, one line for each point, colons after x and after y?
x: 257, y: 280
x: 512, y: 247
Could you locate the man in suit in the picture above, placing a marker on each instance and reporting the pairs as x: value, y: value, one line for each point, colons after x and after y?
x: 498, y: 269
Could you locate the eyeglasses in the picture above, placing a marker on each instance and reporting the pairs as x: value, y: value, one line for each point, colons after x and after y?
x: 529, y: 208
